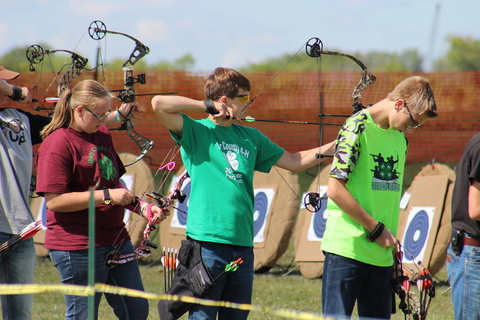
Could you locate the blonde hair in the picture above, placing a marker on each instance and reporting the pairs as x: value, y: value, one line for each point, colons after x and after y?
x: 224, y: 82
x: 86, y: 94
x: 417, y: 94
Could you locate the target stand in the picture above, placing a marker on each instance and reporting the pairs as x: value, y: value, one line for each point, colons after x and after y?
x: 275, y: 211
x: 424, y: 224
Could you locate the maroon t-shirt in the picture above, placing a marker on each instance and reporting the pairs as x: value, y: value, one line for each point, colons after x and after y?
x: 71, y: 161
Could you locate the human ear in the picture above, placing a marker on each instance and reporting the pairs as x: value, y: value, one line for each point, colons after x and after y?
x: 399, y: 103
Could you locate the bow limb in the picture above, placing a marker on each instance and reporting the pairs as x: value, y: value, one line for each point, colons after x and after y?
x: 97, y: 31
x: 35, y: 55
x: 141, y: 141
x: 314, y: 48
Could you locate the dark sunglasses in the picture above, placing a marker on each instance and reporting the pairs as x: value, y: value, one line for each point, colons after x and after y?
x: 414, y: 122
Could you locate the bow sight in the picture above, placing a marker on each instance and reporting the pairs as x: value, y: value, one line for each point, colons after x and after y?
x: 128, y: 93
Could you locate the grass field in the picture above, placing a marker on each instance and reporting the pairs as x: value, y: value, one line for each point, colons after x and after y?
x: 274, y: 289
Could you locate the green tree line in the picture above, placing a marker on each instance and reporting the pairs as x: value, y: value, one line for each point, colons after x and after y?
x: 463, y: 55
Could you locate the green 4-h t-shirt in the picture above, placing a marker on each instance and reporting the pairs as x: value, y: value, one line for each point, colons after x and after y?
x: 372, y: 161
x: 221, y: 162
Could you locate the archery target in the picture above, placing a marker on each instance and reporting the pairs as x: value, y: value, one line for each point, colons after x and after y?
x: 419, y: 224
x: 319, y: 218
x: 424, y: 225
x: 275, y: 211
x: 179, y: 213
x: 261, y: 209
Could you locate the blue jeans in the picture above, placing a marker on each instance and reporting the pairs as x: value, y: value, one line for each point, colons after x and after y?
x: 464, y: 276
x: 16, y: 266
x: 346, y: 281
x: 73, y: 269
x: 235, y: 287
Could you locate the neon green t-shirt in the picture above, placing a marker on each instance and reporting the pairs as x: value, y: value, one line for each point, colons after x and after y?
x: 372, y: 161
x: 221, y: 162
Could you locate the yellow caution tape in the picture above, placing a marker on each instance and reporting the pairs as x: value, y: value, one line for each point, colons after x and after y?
x: 75, y: 290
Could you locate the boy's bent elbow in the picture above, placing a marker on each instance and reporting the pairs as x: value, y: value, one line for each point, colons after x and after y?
x: 156, y: 102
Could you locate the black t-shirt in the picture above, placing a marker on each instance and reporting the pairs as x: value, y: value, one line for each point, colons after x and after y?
x: 468, y: 170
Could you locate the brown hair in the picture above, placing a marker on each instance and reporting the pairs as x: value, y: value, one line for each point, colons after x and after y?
x: 86, y: 93
x: 417, y: 94
x: 224, y: 82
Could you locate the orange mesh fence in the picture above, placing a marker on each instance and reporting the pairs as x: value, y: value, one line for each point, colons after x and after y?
x: 296, y: 96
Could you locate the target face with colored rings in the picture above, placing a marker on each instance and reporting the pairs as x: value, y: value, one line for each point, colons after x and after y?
x: 416, y: 233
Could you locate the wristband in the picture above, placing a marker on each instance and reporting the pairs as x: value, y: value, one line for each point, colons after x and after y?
x: 142, y: 208
x: 376, y: 232
x: 17, y: 93
x: 136, y: 206
x: 117, y: 116
x: 149, y: 211
x: 210, y: 107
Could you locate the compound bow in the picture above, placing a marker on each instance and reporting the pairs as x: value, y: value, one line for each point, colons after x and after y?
x: 413, y: 306
x: 165, y: 203
x: 314, y: 48
x: 97, y: 31
x: 35, y: 55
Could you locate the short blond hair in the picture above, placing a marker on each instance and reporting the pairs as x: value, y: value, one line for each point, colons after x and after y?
x: 417, y: 94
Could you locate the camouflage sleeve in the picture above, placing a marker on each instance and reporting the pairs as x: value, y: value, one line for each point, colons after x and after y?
x: 347, y: 147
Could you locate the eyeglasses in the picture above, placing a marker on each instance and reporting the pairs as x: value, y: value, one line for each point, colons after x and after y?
x: 96, y: 115
x: 243, y: 98
x: 414, y: 122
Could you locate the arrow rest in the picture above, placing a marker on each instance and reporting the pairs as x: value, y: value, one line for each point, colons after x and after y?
x: 162, y: 201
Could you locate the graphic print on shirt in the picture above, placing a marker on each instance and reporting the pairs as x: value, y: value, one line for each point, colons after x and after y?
x: 13, y: 130
x: 231, y: 153
x: 107, y: 170
x: 385, y: 174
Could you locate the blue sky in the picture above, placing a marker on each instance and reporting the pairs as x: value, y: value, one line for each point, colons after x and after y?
x: 233, y: 33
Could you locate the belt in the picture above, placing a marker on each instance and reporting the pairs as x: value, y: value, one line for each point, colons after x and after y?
x: 470, y: 241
